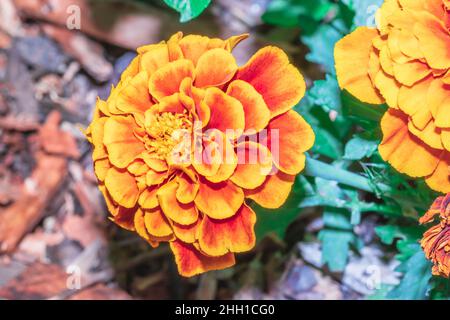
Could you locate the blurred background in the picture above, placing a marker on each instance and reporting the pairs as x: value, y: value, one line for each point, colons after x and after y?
x: 57, y: 56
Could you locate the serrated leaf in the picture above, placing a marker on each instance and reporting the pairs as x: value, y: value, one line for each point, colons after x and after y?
x: 335, y: 247
x: 321, y: 45
x: 358, y: 148
x: 326, y: 93
x: 416, y: 277
x: 188, y: 9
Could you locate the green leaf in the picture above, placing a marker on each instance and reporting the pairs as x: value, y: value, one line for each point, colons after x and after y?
x: 415, y: 282
x: 329, y: 134
x: 365, y: 114
x: 381, y: 293
x: 440, y: 288
x: 188, y: 9
x: 326, y: 143
x: 321, y: 45
x: 296, y: 13
x: 389, y: 233
x: 358, y: 148
x: 326, y: 93
x: 337, y: 219
x: 336, y: 238
x: 335, y: 246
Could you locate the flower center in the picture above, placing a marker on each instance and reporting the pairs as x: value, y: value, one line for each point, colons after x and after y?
x: 166, y: 133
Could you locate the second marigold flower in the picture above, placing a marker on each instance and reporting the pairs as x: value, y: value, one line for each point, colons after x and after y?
x: 405, y: 62
x: 172, y: 145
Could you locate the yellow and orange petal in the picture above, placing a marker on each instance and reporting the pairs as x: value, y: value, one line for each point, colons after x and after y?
x: 405, y: 63
x: 172, y: 140
x: 436, y: 240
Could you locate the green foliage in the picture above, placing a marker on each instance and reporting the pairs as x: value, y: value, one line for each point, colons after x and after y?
x: 297, y: 13
x: 347, y: 137
x: 358, y: 148
x: 276, y: 221
x: 188, y: 9
x: 336, y: 237
x: 416, y: 276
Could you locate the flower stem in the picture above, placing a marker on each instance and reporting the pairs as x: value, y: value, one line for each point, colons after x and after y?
x: 316, y: 168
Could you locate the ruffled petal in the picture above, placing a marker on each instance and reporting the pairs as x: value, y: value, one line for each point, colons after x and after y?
x: 354, y: 50
x: 414, y: 98
x: 157, y: 224
x: 125, y: 218
x: 194, y: 46
x: 188, y: 233
x: 214, y: 68
x: 430, y: 134
x: 97, y: 129
x: 110, y: 204
x: 101, y: 167
x: 257, y: 114
x: 433, y: 41
x: 236, y: 234
x: 122, y: 145
x: 156, y: 57
x: 405, y: 152
x: 139, y: 225
x: 153, y: 178
x: 288, y: 137
x: 148, y: 198
x: 211, y: 200
x: 187, y: 189
x: 389, y: 88
x: 228, y: 157
x: 279, y: 82
x: 166, y: 80
x: 274, y: 192
x: 171, y: 104
x: 154, y: 163
x: 138, y: 167
x: 439, y: 102
x: 411, y: 72
x: 227, y: 113
x: 181, y: 213
x: 132, y: 69
x: 439, y: 180
x: 445, y: 137
x: 207, y: 158
x: 191, y: 262
x: 122, y: 187
x: 134, y: 97
x: 192, y: 98
x: 254, y: 164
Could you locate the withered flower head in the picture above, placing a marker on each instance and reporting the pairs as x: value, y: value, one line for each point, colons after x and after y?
x: 436, y: 240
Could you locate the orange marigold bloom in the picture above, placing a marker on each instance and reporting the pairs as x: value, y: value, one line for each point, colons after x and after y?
x: 436, y: 241
x: 191, y: 87
x: 405, y: 62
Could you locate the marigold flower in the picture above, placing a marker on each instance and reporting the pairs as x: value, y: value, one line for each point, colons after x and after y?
x: 436, y: 241
x: 405, y: 62
x: 170, y: 145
